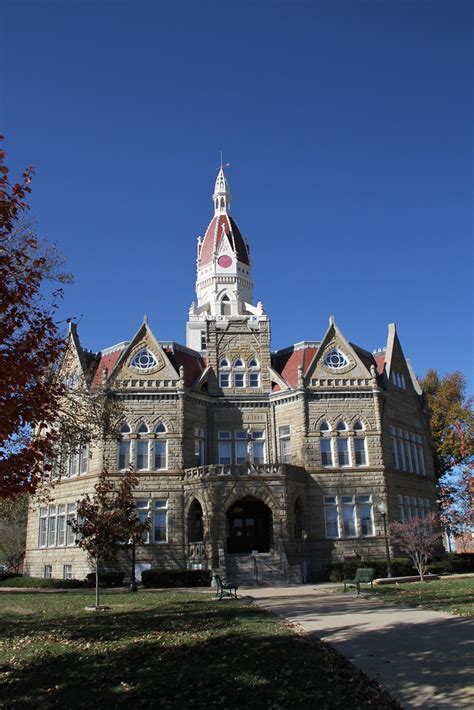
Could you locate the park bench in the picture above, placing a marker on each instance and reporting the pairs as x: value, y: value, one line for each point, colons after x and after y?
x: 364, y: 575
x: 225, y: 589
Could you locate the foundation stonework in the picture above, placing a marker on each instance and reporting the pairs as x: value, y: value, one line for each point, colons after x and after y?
x: 321, y: 433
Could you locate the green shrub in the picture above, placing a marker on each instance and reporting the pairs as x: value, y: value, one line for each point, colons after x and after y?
x: 401, y: 567
x: 41, y: 583
x: 106, y: 579
x: 176, y: 578
x: 9, y: 575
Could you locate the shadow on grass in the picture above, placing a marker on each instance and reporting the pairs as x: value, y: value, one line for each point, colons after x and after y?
x: 199, y: 653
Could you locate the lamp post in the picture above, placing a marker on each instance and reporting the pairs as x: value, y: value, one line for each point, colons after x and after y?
x: 382, y: 508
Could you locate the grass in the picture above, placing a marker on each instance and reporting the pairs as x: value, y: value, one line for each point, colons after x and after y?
x: 167, y: 650
x: 456, y: 596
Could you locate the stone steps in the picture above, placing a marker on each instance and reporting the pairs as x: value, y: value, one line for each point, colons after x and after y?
x: 240, y: 569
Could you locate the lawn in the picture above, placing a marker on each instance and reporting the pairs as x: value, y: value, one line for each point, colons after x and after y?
x: 167, y: 650
x: 455, y: 596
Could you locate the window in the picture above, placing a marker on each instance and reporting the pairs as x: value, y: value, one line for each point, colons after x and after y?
x: 142, y: 454
x: 253, y: 373
x: 43, y: 526
x: 142, y: 429
x: 84, y: 458
x: 52, y: 526
x: 366, y: 522
x: 48, y: 571
x: 335, y: 359
x: 341, y: 426
x: 67, y: 571
x: 161, y: 450
x: 359, y: 451
x: 225, y: 306
x: 398, y: 380
x: 199, y: 447
x: 348, y: 516
x: 224, y: 373
x: 144, y: 360
x: 71, y: 515
x: 343, y: 452
x: 203, y: 340
x: 407, y: 451
x: 160, y: 428
x: 326, y: 445
x: 331, y: 516
x: 124, y: 455
x: 224, y: 447
x: 285, y: 444
x: 157, y: 512
x: 239, y: 373
x: 411, y: 507
x: 61, y: 534
x: 235, y: 446
x: 258, y: 446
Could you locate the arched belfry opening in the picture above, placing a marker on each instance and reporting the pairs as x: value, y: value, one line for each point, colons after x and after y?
x: 249, y: 526
x: 195, y: 522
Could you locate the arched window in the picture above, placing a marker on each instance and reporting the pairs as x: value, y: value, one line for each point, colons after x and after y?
x: 360, y: 448
x: 343, y: 445
x: 142, y: 454
x: 124, y: 448
x: 254, y: 373
x: 225, y: 305
x: 195, y: 522
x: 224, y: 373
x: 160, y: 448
x: 239, y: 372
x: 327, y: 458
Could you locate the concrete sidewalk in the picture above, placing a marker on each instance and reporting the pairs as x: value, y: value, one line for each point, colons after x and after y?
x: 423, y: 658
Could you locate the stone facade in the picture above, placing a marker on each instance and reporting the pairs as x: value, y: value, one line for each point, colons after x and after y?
x: 238, y: 448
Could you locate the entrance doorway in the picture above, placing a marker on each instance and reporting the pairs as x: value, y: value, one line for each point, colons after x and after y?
x: 249, y: 526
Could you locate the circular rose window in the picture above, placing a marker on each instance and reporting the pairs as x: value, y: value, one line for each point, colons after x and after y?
x: 224, y: 261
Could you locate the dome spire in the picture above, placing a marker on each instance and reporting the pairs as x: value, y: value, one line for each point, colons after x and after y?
x: 221, y: 196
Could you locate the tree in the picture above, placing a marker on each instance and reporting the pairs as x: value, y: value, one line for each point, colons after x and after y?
x: 106, y: 519
x: 30, y: 344
x: 419, y: 538
x: 452, y: 426
x: 451, y: 412
x: 13, y: 518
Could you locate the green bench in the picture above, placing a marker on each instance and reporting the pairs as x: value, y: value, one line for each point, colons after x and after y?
x: 364, y: 575
x: 225, y: 589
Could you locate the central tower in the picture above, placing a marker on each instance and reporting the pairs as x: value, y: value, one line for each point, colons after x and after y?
x: 224, y: 282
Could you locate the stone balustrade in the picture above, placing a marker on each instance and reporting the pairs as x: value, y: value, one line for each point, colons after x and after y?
x: 240, y: 470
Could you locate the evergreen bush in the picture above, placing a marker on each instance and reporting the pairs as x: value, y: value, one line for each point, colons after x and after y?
x: 176, y: 578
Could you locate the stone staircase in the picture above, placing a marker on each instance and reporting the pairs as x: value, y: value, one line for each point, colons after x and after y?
x: 270, y: 570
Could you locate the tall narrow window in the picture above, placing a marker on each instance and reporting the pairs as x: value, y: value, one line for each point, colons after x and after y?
x: 343, y: 452
x: 43, y: 523
x: 348, y: 516
x: 366, y: 523
x: 253, y: 373
x: 160, y: 521
x: 224, y: 373
x: 124, y: 455
x: 258, y: 446
x: 224, y: 447
x: 52, y: 526
x: 199, y: 446
x: 326, y: 445
x: 142, y: 513
x: 71, y: 515
x: 239, y: 373
x: 331, y: 517
x: 160, y: 454
x: 84, y: 458
x: 285, y: 444
x: 359, y: 451
x: 225, y: 306
x: 142, y: 448
x: 240, y: 446
x: 61, y: 539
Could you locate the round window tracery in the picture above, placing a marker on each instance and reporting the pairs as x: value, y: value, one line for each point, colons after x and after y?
x: 144, y: 360
x: 335, y: 359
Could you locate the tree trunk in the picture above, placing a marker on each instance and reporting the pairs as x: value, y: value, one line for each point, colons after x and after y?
x: 97, y: 583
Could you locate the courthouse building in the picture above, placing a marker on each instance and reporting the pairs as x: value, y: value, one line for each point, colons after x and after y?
x: 296, y: 453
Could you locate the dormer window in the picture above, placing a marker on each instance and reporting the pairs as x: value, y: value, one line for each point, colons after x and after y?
x: 144, y: 360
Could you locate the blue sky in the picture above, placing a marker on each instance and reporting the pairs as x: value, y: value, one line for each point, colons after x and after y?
x: 348, y: 126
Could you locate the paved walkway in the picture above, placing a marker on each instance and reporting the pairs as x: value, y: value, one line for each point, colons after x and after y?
x: 424, y: 658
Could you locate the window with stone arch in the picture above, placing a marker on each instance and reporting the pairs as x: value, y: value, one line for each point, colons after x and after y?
x: 224, y: 373
x: 327, y: 457
x: 239, y: 372
x: 124, y: 447
x: 343, y: 452
x: 225, y: 305
x: 253, y: 372
x: 360, y: 444
x: 160, y: 448
x: 142, y: 451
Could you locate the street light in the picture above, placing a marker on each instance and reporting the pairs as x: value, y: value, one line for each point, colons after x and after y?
x: 382, y: 508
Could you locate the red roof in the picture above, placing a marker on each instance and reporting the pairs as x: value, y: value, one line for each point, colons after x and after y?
x: 213, y: 238
x: 287, y: 364
x: 107, y: 361
x: 193, y: 365
x: 380, y: 363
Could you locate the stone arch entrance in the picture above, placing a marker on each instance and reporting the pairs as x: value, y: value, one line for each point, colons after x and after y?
x: 195, y: 522
x: 249, y: 526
